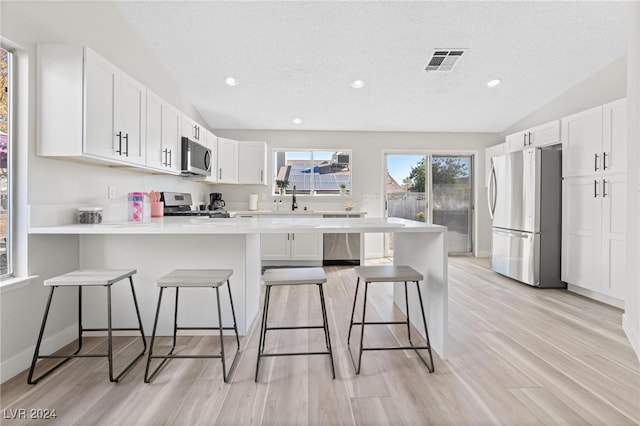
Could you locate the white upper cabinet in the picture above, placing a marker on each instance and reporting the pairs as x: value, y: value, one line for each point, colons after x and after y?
x: 614, y: 137
x: 227, y: 170
x: 252, y: 162
x: 212, y: 144
x: 163, y: 134
x: 594, y: 141
x: 193, y: 130
x: 542, y: 135
x: 88, y: 108
x: 582, y: 143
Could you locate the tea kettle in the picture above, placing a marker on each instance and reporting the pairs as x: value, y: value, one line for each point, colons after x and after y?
x: 216, y: 201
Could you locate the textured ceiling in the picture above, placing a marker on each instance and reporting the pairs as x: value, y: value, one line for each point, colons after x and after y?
x: 297, y: 59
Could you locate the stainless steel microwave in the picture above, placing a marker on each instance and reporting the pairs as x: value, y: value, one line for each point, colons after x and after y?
x: 195, y: 159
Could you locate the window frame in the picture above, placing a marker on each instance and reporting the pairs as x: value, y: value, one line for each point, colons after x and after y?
x: 10, y: 209
x: 313, y: 192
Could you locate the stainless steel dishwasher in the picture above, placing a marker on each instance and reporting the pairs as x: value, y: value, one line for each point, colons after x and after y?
x: 343, y: 248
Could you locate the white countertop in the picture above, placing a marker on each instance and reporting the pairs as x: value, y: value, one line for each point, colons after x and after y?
x: 299, y: 212
x: 239, y: 225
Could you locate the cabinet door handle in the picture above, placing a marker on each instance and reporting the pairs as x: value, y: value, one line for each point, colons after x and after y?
x: 164, y: 162
x: 524, y: 139
x: 220, y: 174
x: 288, y: 237
x: 604, y: 161
x: 126, y: 141
x: 170, y: 157
x: 293, y: 237
x: 119, y: 150
x: 261, y: 175
x: 595, y: 188
x: 529, y: 138
x: 595, y: 162
x: 604, y: 188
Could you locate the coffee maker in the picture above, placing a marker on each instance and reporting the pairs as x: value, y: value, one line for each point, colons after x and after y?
x: 215, y: 201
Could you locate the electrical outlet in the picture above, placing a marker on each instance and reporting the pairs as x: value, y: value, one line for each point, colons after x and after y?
x: 376, y: 196
x: 111, y: 192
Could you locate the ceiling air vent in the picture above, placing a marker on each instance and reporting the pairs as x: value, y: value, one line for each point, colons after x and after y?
x: 444, y: 60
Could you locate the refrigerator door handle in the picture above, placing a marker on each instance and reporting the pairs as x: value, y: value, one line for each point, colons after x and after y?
x: 492, y: 193
x: 522, y: 235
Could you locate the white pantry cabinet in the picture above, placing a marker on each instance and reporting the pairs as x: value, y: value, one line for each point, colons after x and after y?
x: 88, y: 108
x: 538, y: 136
x: 595, y: 140
x: 163, y: 134
x: 227, y: 164
x: 252, y: 162
x: 594, y: 236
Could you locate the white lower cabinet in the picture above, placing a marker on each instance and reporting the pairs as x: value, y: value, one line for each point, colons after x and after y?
x: 593, y: 236
x: 292, y: 248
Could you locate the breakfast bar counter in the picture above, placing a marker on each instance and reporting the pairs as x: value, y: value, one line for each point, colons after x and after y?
x: 161, y: 245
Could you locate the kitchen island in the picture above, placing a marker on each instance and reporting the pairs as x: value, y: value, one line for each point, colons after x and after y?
x: 154, y: 248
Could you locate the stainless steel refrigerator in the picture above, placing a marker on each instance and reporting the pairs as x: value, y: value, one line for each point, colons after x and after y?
x: 525, y: 204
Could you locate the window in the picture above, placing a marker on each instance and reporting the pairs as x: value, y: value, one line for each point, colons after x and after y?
x: 5, y: 165
x: 312, y: 172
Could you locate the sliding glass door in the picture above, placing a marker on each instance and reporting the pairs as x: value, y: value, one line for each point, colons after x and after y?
x: 434, y: 189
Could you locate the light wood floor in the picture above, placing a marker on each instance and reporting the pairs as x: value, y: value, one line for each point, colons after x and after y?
x: 518, y: 355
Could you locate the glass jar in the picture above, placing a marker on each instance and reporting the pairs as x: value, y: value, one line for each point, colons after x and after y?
x: 90, y: 215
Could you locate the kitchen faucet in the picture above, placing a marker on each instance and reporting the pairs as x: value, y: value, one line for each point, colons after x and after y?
x: 294, y: 203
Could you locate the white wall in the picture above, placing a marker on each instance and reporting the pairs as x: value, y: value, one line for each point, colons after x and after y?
x: 604, y: 86
x: 631, y: 319
x: 56, y: 182
x: 368, y: 168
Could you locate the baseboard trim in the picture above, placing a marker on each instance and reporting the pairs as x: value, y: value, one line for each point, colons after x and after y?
x: 483, y: 253
x: 18, y: 363
x: 596, y: 296
x: 633, y: 334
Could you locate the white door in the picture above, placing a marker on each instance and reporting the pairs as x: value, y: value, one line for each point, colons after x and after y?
x: 614, y: 142
x: 582, y: 143
x: 101, y: 96
x: 581, y: 232
x: 614, y: 220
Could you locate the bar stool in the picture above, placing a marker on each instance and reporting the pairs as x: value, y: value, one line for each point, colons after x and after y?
x: 194, y: 278
x: 89, y: 278
x: 293, y: 276
x: 388, y: 273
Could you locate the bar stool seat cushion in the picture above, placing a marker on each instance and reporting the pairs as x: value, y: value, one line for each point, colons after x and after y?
x: 293, y: 276
x: 388, y: 273
x: 195, y: 278
x: 90, y: 277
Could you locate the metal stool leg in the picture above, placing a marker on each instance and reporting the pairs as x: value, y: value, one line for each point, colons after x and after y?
x: 147, y: 377
x: 426, y: 332
x: 353, y: 310
x: 263, y: 329
x: 36, y: 354
x: 406, y: 299
x: 222, y: 353
x: 325, y: 323
x: 364, y: 310
x: 135, y: 303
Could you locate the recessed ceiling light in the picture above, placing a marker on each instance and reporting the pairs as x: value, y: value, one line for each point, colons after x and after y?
x: 231, y: 81
x: 493, y: 83
x: 296, y: 121
x: 357, y: 84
